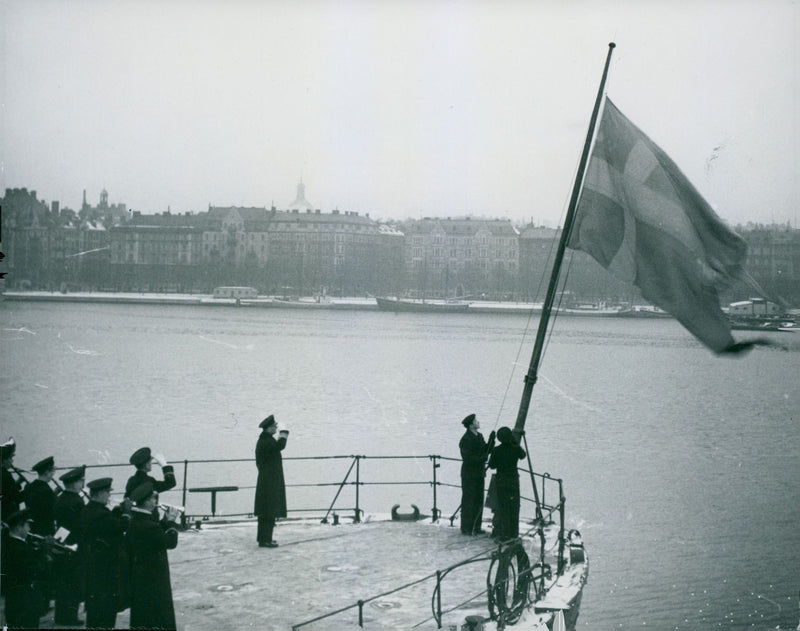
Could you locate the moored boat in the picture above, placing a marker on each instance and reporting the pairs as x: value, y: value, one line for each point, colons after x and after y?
x: 422, y: 306
x: 765, y: 323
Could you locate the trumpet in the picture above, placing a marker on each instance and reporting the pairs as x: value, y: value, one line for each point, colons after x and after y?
x: 172, y: 513
x: 51, y: 545
x: 23, y: 481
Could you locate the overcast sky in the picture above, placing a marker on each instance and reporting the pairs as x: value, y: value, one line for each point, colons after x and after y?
x: 394, y: 108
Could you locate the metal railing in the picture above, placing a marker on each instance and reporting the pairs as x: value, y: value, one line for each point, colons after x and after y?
x: 546, y: 486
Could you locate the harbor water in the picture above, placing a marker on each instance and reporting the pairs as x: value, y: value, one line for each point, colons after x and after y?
x: 680, y: 468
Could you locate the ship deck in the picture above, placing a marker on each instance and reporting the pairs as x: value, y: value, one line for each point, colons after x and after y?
x: 221, y: 579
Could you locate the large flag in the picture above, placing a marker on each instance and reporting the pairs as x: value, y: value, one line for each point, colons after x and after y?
x: 641, y: 219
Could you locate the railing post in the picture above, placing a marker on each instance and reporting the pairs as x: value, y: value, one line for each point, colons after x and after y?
x: 358, y: 485
x: 435, y: 511
x: 562, y: 511
x: 361, y: 613
x: 185, y: 473
x: 438, y: 599
x: 545, y: 477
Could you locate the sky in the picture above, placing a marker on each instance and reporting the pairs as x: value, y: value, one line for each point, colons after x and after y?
x: 399, y: 109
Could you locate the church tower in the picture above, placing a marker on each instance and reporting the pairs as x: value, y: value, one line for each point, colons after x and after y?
x: 300, y: 202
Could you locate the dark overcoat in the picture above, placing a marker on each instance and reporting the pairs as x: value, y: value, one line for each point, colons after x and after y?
x: 474, y: 451
x: 41, y: 500
x: 69, y: 507
x: 22, y: 565
x: 10, y: 493
x: 104, y: 551
x: 151, y: 590
x: 473, y: 456
x: 70, y: 568
x: 504, y: 459
x: 270, y: 500
x: 159, y: 486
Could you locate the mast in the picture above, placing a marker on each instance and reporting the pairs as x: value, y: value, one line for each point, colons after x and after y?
x: 533, y: 368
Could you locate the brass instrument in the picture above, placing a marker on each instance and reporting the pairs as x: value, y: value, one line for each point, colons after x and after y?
x: 172, y: 513
x: 51, y: 545
x: 22, y: 479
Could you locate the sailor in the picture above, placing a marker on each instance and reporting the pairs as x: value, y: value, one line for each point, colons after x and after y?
x: 474, y: 451
x: 270, y: 500
x: 22, y: 565
x: 148, y: 541
x: 143, y: 460
x: 69, y: 568
x: 103, y: 545
x: 504, y: 458
x: 40, y: 498
x: 10, y: 487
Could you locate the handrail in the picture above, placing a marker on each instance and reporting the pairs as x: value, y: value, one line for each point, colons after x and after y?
x: 438, y: 575
x: 545, y: 512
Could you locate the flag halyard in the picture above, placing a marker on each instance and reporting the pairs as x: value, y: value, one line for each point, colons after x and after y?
x: 642, y: 219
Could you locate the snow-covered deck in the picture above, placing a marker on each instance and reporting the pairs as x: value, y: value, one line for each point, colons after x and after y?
x: 222, y: 580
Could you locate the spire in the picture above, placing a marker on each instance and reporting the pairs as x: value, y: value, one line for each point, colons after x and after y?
x: 300, y: 202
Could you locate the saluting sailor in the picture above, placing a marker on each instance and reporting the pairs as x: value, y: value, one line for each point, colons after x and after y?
x: 143, y: 460
x: 270, y: 500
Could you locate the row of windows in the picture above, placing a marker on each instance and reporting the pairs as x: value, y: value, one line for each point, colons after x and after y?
x: 316, y: 227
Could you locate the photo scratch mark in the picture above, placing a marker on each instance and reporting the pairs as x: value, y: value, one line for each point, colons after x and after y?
x: 208, y: 339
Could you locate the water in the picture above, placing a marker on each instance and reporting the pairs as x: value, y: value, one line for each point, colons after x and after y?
x: 680, y: 468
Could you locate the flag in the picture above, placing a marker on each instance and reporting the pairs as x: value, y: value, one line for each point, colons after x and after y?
x: 640, y: 218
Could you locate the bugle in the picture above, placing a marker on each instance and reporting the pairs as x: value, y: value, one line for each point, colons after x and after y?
x: 172, y: 513
x: 50, y: 544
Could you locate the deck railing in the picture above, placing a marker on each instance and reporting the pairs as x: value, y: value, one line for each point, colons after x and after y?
x: 546, y: 488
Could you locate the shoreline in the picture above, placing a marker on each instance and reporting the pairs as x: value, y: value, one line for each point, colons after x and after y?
x: 272, y: 302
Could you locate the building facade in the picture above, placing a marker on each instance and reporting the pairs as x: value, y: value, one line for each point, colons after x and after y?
x: 461, y: 257
x: 303, y: 251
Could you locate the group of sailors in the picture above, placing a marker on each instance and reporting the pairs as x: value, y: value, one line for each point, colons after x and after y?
x: 503, y: 495
x: 69, y: 545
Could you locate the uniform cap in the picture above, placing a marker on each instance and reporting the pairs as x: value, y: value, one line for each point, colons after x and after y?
x: 100, y: 484
x: 140, y: 456
x: 19, y: 516
x: 468, y: 420
x: 142, y: 492
x: 73, y: 475
x: 270, y: 420
x: 44, y: 465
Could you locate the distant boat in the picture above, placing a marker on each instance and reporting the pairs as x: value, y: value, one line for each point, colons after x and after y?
x: 642, y: 311
x: 422, y: 306
x: 320, y: 302
x: 764, y: 323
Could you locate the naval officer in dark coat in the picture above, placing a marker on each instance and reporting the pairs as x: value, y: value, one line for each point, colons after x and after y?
x: 69, y: 568
x: 143, y: 460
x: 10, y: 488
x: 103, y: 545
x: 148, y: 541
x: 40, y: 498
x: 22, y: 566
x: 474, y: 451
x: 270, y: 500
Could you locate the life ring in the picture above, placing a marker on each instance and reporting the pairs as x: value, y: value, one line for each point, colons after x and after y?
x: 509, y: 573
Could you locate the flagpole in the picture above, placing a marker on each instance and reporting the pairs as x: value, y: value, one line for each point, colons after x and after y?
x: 532, y: 375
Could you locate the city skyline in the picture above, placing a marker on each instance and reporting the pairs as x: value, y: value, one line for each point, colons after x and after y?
x: 399, y: 110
